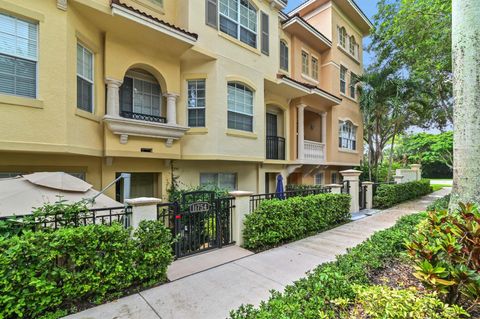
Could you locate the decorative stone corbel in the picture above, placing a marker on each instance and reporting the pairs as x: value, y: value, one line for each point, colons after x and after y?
x: 169, y: 142
x: 123, y: 139
x: 62, y: 5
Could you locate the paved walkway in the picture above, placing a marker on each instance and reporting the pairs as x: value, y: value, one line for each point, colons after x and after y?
x: 214, y: 292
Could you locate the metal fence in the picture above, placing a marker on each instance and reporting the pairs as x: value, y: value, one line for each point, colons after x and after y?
x: 255, y: 200
x: 103, y: 216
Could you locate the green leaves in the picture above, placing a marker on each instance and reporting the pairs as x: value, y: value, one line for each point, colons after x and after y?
x: 278, y: 221
x: 390, y: 194
x: 41, y: 272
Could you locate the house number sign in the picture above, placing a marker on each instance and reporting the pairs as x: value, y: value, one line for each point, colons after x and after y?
x: 199, y: 207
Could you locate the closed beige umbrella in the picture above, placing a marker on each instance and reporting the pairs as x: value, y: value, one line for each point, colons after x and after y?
x: 19, y: 195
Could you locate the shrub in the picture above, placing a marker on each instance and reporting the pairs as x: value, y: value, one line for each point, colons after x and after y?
x: 277, y: 221
x: 446, y: 251
x: 319, y: 295
x: 377, y: 302
x: 43, y: 271
x: 439, y: 204
x: 301, y: 187
x: 390, y: 194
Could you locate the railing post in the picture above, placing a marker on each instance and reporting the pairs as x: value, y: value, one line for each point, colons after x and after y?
x: 242, y: 208
x: 369, y: 197
x: 352, y: 176
x: 143, y: 208
x: 335, y: 188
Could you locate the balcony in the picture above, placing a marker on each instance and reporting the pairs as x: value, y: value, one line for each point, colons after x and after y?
x: 314, y: 152
x: 142, y: 117
x: 275, y: 148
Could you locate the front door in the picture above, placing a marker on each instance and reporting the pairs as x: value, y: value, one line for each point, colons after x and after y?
x: 272, y: 140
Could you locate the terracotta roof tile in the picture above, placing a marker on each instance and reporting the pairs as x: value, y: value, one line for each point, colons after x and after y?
x: 122, y: 4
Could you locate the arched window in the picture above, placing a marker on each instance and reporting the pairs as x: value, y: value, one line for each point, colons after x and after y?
x: 347, y: 135
x: 283, y: 55
x: 238, y: 18
x: 240, y: 107
x: 342, y: 37
x: 353, y: 45
x: 141, y: 97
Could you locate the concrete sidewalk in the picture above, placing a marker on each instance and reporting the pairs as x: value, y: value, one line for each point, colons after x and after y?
x: 214, y: 292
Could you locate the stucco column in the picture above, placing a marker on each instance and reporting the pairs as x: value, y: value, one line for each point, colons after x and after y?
x: 335, y: 188
x: 242, y: 208
x: 398, y: 179
x: 352, y: 176
x: 171, y: 108
x: 143, y: 208
x: 301, y: 131
x: 369, y: 197
x: 418, y: 169
x: 113, y: 97
x: 324, y: 134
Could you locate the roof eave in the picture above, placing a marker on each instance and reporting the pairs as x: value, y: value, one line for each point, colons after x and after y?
x: 320, y: 36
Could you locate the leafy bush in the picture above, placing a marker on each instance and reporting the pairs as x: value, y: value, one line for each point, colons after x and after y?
x: 378, y: 302
x: 439, y: 204
x: 446, y: 251
x: 276, y: 221
x: 390, y: 194
x: 301, y: 187
x: 43, y: 271
x: 319, y: 294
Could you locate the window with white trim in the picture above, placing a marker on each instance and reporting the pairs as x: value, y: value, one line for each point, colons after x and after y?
x: 140, y: 96
x: 226, y: 181
x: 342, y: 37
x: 343, y: 79
x: 240, y: 107
x: 84, y: 78
x: 196, y: 103
x: 352, y: 46
x: 347, y: 135
x: 334, y: 178
x: 283, y: 55
x: 238, y: 18
x: 315, y: 68
x: 353, y: 82
x: 319, y: 179
x: 305, y: 66
x: 18, y: 56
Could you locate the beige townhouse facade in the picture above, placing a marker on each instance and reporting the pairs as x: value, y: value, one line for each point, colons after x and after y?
x: 223, y: 92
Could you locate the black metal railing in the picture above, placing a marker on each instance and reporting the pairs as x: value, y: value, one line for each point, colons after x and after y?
x: 275, y: 147
x: 345, y: 189
x: 198, y: 226
x: 362, y: 195
x: 142, y: 117
x: 103, y: 216
x: 256, y: 199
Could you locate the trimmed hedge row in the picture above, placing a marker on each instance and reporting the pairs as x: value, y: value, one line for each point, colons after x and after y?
x: 390, y: 194
x: 277, y: 221
x: 45, y: 274
x: 439, y: 204
x: 326, y: 291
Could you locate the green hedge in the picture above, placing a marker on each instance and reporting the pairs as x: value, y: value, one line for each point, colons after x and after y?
x: 277, y: 221
x: 45, y: 274
x: 439, y: 204
x: 390, y: 194
x: 319, y: 295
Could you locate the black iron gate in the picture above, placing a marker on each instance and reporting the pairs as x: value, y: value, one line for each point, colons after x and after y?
x: 199, y: 222
x: 362, y: 195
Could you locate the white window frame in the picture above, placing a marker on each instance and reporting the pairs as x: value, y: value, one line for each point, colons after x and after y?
x: 347, y: 135
x: 238, y: 21
x: 218, y: 178
x: 342, y: 37
x: 246, y: 87
x: 92, y: 81
x: 351, y: 45
x: 343, y: 79
x: 26, y: 58
x: 284, y: 57
x: 314, y: 67
x: 337, y: 179
x: 353, y: 82
x: 196, y: 98
x: 305, y: 63
x: 322, y: 178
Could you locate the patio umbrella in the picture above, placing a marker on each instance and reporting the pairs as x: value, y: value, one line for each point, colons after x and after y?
x: 19, y: 195
x: 279, y: 193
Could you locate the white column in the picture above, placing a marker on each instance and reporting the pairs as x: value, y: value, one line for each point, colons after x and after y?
x: 335, y: 188
x: 113, y: 97
x: 369, y: 197
x: 301, y: 131
x: 324, y: 134
x: 242, y: 208
x: 352, y: 176
x: 171, y: 108
x: 143, y: 208
x: 398, y: 179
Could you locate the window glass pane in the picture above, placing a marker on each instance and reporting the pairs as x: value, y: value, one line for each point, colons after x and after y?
x: 229, y: 27
x: 196, y: 103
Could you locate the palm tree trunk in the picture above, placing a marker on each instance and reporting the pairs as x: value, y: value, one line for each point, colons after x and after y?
x: 390, y: 159
x: 466, y: 90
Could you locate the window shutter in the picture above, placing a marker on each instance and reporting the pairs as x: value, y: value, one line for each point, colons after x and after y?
x: 126, y: 95
x: 211, y: 13
x: 265, y: 34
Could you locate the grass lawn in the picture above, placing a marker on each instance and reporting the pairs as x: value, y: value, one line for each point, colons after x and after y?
x: 437, y: 187
x: 439, y: 183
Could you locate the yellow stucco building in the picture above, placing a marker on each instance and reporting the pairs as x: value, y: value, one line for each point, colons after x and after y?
x: 225, y: 92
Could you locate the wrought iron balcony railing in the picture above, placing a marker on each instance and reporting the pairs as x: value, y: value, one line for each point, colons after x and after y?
x: 142, y: 117
x: 275, y: 147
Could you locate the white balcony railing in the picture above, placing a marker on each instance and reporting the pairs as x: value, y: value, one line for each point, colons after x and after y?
x: 314, y: 151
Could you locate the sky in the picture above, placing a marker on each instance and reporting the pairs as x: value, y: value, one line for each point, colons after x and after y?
x: 369, y: 7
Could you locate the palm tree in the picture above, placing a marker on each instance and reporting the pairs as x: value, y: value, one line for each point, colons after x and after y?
x: 466, y: 90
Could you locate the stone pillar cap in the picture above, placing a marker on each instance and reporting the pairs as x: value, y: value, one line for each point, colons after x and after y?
x: 333, y: 185
x: 143, y: 201
x: 350, y: 172
x: 240, y: 193
x: 368, y: 183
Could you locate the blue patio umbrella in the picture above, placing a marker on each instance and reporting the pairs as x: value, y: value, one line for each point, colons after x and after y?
x: 279, y: 193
